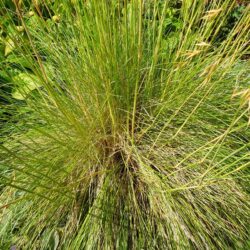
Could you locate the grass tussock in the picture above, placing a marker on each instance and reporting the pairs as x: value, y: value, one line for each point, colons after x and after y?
x: 123, y: 131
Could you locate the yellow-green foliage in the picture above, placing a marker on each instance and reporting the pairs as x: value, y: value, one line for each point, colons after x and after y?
x: 125, y: 126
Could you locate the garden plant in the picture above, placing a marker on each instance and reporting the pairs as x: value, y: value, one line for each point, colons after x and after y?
x: 124, y: 124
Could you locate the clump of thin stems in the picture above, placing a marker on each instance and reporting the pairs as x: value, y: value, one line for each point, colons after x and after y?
x: 123, y: 131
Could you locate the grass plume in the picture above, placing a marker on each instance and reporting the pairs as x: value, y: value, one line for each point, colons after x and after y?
x: 123, y: 131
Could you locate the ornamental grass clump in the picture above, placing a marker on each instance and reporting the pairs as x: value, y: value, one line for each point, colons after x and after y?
x: 124, y: 125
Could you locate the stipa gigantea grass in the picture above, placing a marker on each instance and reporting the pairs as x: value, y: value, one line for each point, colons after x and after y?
x: 126, y: 134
